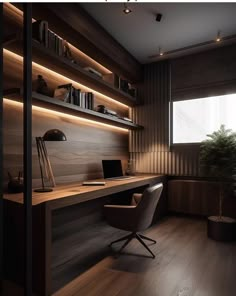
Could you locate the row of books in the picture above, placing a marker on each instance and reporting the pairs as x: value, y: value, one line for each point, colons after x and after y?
x: 41, y: 33
x: 69, y: 94
x: 83, y: 99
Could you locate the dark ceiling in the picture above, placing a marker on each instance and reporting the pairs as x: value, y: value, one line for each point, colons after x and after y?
x: 182, y: 25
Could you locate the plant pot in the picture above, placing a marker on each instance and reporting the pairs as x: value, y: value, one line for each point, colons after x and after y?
x: 221, y: 229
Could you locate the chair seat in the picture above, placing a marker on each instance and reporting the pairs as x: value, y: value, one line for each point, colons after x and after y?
x: 135, y: 217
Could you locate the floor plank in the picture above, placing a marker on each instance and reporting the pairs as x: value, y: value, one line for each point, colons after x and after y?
x: 187, y: 263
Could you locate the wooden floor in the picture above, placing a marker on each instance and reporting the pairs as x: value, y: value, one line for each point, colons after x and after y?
x: 187, y: 264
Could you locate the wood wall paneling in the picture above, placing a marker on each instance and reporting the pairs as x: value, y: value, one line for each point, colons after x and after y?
x: 149, y: 147
x: 77, y: 159
x: 198, y: 197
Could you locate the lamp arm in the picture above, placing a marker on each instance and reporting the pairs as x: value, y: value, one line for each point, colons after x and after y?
x: 45, y: 165
x: 38, y: 144
x: 48, y: 164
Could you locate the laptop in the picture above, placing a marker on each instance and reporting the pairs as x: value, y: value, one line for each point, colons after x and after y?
x: 112, y: 170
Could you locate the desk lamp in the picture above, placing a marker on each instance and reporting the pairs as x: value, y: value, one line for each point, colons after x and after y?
x: 44, y: 163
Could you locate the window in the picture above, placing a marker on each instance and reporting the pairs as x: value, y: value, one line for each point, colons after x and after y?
x: 194, y: 119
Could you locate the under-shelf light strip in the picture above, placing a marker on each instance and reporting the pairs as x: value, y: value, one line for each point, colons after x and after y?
x: 59, y: 76
x: 72, y: 117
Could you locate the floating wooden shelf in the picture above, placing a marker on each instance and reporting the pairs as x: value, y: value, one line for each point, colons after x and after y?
x: 47, y: 58
x: 57, y: 105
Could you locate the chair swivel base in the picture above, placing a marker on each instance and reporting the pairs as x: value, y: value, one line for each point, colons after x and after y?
x: 128, y: 239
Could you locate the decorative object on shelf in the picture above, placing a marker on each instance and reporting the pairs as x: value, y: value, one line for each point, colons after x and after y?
x: 101, y: 109
x: 104, y: 110
x: 218, y: 160
x: 67, y: 52
x: 16, y: 184
x: 130, y: 170
x: 93, y: 71
x: 40, y: 86
x: 44, y: 163
x: 123, y: 84
x: 64, y: 92
x: 126, y: 119
x: 132, y: 91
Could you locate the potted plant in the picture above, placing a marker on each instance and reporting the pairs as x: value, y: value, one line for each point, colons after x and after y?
x: 218, y: 160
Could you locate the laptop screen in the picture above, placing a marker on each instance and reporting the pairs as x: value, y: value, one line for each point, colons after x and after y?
x: 112, y: 168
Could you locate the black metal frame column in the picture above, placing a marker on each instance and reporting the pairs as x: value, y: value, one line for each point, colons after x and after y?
x: 27, y: 124
x: 1, y: 145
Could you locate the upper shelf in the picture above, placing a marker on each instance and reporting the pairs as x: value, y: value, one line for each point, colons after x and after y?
x: 63, y: 66
x: 60, y: 106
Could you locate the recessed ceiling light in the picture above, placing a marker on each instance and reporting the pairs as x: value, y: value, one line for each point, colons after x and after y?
x: 160, y: 52
x: 218, y: 38
x: 126, y: 9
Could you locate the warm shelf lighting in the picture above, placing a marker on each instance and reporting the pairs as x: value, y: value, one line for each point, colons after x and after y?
x: 68, y: 116
x: 17, y: 14
x: 90, y: 61
x: 68, y: 80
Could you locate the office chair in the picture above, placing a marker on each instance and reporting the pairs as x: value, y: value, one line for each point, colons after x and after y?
x: 135, y: 217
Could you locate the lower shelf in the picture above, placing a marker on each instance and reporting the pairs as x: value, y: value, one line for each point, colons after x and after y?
x: 60, y: 106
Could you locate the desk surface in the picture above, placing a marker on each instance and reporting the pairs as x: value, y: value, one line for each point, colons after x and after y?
x: 71, y: 193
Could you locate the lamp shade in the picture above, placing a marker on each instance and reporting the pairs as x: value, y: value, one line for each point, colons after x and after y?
x: 54, y: 135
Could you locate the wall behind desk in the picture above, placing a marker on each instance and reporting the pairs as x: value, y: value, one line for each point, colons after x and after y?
x: 78, y: 158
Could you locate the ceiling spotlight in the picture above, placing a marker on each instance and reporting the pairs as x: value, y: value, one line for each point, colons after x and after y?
x: 126, y: 9
x: 160, y: 52
x: 218, y: 38
x: 158, y: 17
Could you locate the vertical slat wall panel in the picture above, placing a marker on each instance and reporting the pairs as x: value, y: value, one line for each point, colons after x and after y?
x: 149, y: 148
x: 1, y: 147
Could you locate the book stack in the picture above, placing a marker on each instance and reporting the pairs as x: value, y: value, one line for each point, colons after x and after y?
x: 55, y: 43
x: 69, y: 94
x: 85, y: 100
x: 42, y: 34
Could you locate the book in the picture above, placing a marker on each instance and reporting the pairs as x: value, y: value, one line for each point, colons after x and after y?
x: 40, y: 31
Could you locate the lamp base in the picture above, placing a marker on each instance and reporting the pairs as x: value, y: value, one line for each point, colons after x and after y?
x: 43, y: 189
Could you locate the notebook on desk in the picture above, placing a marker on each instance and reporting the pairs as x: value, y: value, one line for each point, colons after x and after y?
x: 112, y: 170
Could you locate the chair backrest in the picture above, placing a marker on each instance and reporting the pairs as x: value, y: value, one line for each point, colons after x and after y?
x: 147, y: 206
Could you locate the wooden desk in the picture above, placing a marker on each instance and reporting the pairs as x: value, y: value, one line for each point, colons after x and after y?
x: 43, y: 206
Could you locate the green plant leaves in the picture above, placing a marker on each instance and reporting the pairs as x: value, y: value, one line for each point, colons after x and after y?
x: 218, y: 154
